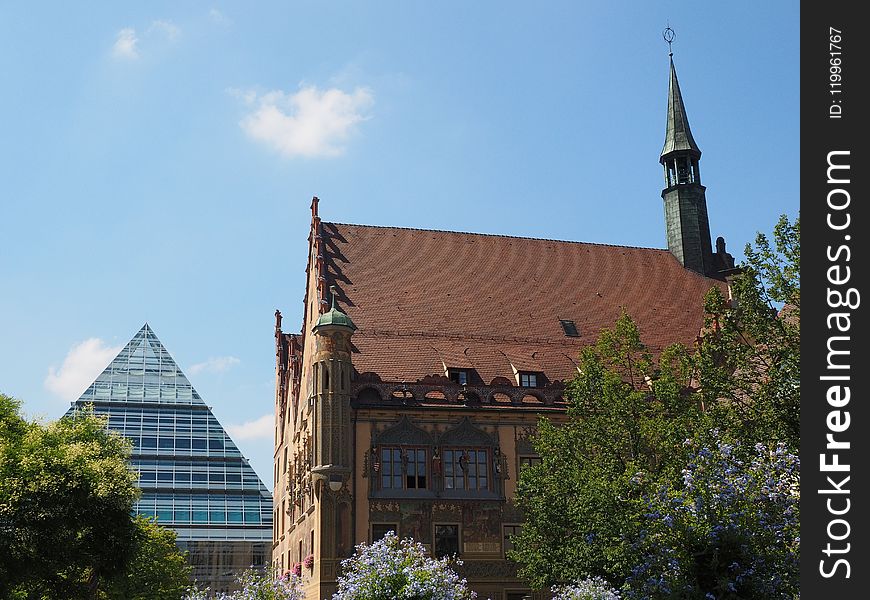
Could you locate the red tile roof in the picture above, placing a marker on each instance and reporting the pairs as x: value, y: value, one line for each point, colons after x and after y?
x: 425, y: 300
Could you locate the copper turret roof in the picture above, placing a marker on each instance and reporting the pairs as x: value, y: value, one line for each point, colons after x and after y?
x: 678, y: 136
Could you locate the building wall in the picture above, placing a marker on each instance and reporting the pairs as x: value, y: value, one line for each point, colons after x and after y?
x: 313, y: 520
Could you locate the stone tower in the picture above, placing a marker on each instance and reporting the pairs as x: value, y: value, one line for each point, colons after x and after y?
x: 688, y: 228
x: 332, y: 432
x: 331, y: 396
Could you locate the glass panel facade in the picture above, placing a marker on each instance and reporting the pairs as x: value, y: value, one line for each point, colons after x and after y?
x: 193, y: 477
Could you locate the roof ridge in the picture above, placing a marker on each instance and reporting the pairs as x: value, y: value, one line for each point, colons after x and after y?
x: 495, y: 235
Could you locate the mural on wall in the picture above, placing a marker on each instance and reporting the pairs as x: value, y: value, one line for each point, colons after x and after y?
x: 480, y: 522
x: 416, y: 521
x: 481, y: 528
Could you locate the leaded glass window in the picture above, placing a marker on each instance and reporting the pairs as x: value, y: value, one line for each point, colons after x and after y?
x: 403, y: 468
x: 466, y: 468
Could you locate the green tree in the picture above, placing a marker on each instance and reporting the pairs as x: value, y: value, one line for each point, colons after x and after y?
x: 749, y: 361
x: 628, y: 418
x: 66, y: 524
x: 157, y: 569
x: 65, y: 500
x: 611, y: 497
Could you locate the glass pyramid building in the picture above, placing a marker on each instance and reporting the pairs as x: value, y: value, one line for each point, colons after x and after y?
x: 192, y: 476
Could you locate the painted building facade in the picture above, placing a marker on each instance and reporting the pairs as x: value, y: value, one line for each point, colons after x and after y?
x: 425, y: 359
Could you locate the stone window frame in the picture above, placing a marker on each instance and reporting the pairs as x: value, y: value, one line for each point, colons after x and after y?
x: 435, y: 526
x: 393, y: 524
x: 403, y: 466
x: 455, y: 465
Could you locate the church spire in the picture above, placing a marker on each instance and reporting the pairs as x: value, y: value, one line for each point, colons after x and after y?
x: 678, y: 136
x: 688, y: 228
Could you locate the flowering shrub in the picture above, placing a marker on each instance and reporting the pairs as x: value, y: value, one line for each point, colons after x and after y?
x: 309, y: 561
x: 591, y: 588
x: 258, y: 586
x: 730, y: 531
x: 394, y: 569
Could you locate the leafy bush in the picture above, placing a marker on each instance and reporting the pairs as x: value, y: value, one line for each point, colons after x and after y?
x: 394, y: 569
x: 591, y: 588
x: 258, y: 585
x: 729, y: 531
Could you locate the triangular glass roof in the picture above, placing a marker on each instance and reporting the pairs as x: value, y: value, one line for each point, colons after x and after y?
x: 193, y: 477
x: 143, y: 372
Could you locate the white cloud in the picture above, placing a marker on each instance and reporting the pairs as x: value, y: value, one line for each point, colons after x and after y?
x: 83, y: 363
x: 311, y: 122
x: 165, y: 28
x: 219, y: 17
x: 216, y: 364
x: 128, y: 45
x: 125, y: 44
x: 253, y: 430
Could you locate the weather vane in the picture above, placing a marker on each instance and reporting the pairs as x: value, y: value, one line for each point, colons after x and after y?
x: 668, y: 34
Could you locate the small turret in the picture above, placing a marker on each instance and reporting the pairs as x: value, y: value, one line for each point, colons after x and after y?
x: 332, y: 368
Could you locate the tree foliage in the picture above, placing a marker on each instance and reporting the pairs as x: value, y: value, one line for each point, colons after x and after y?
x: 750, y: 355
x: 628, y: 417
x: 66, y: 529
x: 728, y: 530
x: 637, y: 488
x: 157, y: 569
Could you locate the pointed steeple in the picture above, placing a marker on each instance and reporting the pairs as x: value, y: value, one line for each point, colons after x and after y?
x: 685, y: 202
x: 678, y: 135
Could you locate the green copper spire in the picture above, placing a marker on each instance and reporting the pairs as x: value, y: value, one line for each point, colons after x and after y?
x: 334, y: 316
x: 678, y: 136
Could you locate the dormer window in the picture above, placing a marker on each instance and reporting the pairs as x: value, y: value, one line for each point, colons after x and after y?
x: 530, y: 379
x: 459, y: 376
x: 569, y: 327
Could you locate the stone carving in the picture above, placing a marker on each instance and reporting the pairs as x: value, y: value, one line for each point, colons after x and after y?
x: 466, y: 434
x: 404, y: 433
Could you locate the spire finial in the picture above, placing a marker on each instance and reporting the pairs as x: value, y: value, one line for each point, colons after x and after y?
x: 332, y: 289
x: 669, y: 35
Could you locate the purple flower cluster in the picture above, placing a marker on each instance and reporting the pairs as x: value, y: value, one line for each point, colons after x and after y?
x: 394, y: 569
x: 591, y: 588
x: 258, y: 586
x: 731, y: 529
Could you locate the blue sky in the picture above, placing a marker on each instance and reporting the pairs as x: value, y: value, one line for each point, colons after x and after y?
x: 157, y: 159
